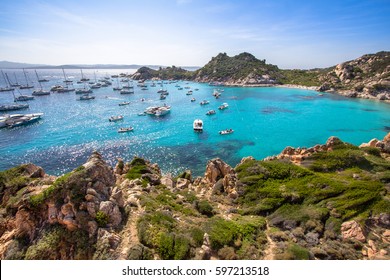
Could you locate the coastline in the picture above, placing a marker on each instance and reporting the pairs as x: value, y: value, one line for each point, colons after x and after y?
x: 345, y: 93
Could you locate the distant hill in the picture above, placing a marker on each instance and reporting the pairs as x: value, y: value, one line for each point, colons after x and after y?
x: 11, y: 65
x: 16, y: 65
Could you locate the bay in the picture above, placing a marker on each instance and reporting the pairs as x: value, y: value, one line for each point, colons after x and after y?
x: 265, y: 121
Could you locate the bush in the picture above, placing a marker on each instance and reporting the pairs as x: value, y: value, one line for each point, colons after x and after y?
x: 197, y: 236
x: 204, y: 207
x: 372, y: 151
x: 102, y: 218
x: 137, y: 168
x: 339, y: 159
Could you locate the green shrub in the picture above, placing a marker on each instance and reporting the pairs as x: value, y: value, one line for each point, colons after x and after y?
x: 102, y: 218
x: 197, y: 236
x: 221, y: 232
x: 296, y: 252
x: 137, y: 168
x: 165, y: 246
x: 339, y: 159
x: 372, y: 151
x: 204, y: 207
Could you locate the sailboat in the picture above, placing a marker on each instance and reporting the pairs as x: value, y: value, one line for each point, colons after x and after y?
x: 16, y: 84
x: 83, y: 79
x: 26, y: 86
x: 96, y: 84
x: 15, y: 106
x: 67, y: 82
x: 8, y: 85
x: 128, y: 89
x: 40, y: 91
x: 118, y: 87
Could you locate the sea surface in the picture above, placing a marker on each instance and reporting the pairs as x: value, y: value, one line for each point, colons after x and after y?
x: 264, y: 120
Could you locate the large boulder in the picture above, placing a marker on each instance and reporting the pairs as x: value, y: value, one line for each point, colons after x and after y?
x: 352, y: 230
x: 217, y: 169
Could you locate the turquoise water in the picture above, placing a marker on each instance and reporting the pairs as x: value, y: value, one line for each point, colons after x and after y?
x: 265, y: 120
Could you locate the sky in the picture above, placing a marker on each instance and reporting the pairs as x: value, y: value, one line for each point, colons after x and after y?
x: 288, y: 33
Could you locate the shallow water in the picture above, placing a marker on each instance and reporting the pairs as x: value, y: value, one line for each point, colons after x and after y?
x: 265, y: 120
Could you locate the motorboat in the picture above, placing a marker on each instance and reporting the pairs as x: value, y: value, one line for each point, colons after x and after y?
x: 158, y: 111
x: 226, y: 131
x: 23, y: 98
x: 211, y: 112
x: 115, y: 118
x: 124, y: 103
x: 125, y: 129
x: 223, y: 106
x: 19, y: 119
x: 83, y: 91
x: 40, y: 92
x: 189, y: 92
x: 86, y: 97
x: 198, y: 125
x: 193, y: 99
x: 126, y: 91
x: 204, y: 102
x: 13, y: 107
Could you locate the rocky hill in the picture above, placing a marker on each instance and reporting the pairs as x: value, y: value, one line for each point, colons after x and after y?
x: 365, y: 77
x: 167, y: 73
x: 242, y: 69
x: 333, y: 203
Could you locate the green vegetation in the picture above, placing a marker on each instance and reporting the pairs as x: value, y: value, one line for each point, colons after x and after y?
x: 72, y: 183
x: 302, y: 77
x: 298, y: 195
x: 232, y: 232
x: 223, y: 67
x: 204, y: 207
x: 101, y: 218
x: 13, y: 180
x: 137, y: 168
x: 55, y: 240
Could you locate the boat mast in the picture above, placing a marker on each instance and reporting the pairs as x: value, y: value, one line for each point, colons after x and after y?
x: 25, y: 76
x: 7, y: 81
x: 16, y: 80
x: 40, y: 84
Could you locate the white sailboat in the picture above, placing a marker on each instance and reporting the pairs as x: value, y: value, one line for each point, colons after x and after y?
x: 40, y: 91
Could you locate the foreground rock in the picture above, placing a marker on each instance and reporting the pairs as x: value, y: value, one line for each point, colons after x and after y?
x: 331, y: 204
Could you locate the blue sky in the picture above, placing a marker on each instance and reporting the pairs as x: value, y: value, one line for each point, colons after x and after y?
x: 288, y: 33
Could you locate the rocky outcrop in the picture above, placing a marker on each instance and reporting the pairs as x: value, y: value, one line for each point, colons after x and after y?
x: 352, y: 230
x: 298, y: 155
x: 83, y: 200
x: 382, y: 145
x: 219, y: 171
x: 365, y: 77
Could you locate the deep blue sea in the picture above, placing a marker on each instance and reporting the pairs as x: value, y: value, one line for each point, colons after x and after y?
x: 265, y: 120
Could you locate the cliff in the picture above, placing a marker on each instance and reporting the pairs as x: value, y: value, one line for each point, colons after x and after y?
x: 365, y: 77
x: 333, y: 203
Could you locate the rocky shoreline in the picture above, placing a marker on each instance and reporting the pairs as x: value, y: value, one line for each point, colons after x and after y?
x: 325, y: 202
